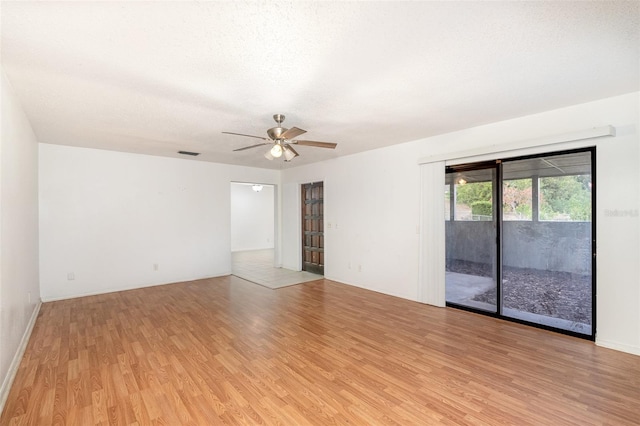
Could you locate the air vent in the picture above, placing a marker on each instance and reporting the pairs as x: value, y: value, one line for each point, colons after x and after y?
x: 188, y: 153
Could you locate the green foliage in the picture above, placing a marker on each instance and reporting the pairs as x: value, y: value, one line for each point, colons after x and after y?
x: 482, y: 208
x: 519, y: 184
x: 561, y: 198
x: 472, y: 192
x: 565, y: 198
x: 525, y: 211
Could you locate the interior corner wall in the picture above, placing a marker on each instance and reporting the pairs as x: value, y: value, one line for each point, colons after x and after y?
x: 252, y: 217
x: 112, y: 221
x: 19, y: 287
x: 372, y: 201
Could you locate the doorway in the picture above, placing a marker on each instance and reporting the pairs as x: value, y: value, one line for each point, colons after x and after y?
x: 253, y: 238
x: 252, y: 228
x: 312, y: 205
x: 520, y: 239
x: 252, y: 216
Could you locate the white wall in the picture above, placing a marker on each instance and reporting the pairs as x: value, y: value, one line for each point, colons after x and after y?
x: 252, y: 217
x: 19, y: 288
x: 372, y: 202
x: 109, y: 218
x: 291, y: 238
x: 371, y: 214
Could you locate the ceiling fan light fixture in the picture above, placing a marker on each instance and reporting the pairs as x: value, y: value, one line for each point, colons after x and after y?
x: 288, y: 154
x: 282, y: 140
x: 276, y: 151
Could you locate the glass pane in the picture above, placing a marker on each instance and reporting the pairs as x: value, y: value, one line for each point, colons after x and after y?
x: 447, y: 202
x: 517, y: 197
x: 474, y: 196
x: 546, y: 265
x: 566, y: 198
x: 471, y: 241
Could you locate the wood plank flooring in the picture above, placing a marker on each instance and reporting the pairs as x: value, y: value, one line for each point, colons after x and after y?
x: 226, y: 351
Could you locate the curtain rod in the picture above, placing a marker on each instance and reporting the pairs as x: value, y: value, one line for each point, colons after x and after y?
x: 596, y: 132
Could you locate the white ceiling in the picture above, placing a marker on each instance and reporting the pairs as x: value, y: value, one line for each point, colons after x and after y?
x: 158, y: 77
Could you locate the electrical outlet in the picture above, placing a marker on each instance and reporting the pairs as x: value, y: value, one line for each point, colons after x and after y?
x: 71, y: 276
x: 155, y: 267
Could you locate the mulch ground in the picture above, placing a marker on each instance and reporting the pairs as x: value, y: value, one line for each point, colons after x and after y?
x: 553, y: 294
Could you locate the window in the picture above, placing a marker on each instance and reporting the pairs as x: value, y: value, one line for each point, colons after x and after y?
x: 565, y: 198
x: 472, y: 193
x: 517, y: 196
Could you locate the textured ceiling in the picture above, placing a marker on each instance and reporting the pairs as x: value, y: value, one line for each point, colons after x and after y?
x: 158, y: 77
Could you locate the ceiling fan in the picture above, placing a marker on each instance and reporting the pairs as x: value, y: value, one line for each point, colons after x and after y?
x: 282, y: 139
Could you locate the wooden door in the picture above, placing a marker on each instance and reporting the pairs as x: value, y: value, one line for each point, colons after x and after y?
x: 312, y: 228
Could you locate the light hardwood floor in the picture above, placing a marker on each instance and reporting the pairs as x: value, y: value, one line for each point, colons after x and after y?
x: 226, y: 351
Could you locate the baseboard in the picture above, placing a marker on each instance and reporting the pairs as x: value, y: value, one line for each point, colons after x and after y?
x: 251, y: 249
x: 126, y: 288
x: 291, y: 267
x: 339, y: 281
x: 634, y: 350
x: 15, y: 363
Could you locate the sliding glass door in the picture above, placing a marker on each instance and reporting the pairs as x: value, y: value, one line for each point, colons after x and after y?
x: 524, y: 252
x: 470, y: 232
x: 546, y: 240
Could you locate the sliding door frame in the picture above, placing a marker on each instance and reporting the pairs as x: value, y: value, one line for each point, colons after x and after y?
x: 498, y: 218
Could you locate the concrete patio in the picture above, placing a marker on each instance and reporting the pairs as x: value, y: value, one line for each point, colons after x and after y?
x: 462, y: 288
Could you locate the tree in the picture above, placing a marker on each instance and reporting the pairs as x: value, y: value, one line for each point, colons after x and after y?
x: 565, y: 198
x: 471, y: 192
x: 482, y: 208
x: 516, y: 197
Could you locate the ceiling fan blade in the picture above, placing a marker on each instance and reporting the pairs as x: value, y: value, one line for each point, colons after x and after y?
x: 292, y: 133
x: 249, y: 136
x: 252, y: 146
x: 292, y: 150
x: 330, y: 145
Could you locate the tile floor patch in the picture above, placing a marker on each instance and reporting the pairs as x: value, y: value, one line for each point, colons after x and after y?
x: 257, y: 266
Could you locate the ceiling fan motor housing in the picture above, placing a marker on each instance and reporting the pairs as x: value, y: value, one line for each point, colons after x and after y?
x: 276, y: 132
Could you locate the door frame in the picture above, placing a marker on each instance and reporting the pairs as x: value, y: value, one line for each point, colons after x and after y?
x: 291, y: 222
x: 277, y: 242
x: 497, y: 196
x: 301, y: 224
